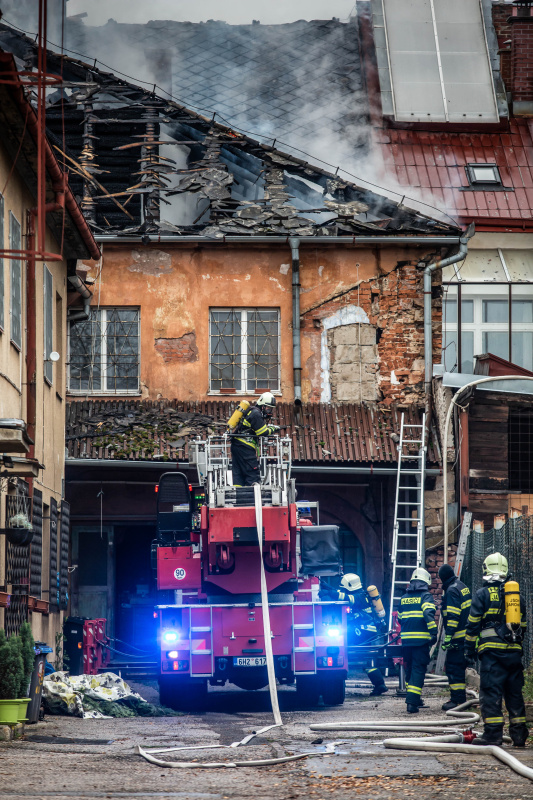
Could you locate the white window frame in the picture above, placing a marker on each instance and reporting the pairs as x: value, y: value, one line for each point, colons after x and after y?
x: 103, y: 356
x: 48, y: 323
x: 244, y: 365
x: 15, y: 243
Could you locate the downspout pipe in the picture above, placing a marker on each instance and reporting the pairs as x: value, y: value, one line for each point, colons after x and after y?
x: 294, y: 243
x: 86, y: 294
x: 428, y: 270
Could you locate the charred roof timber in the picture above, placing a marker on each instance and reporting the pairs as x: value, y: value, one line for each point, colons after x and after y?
x: 143, y: 165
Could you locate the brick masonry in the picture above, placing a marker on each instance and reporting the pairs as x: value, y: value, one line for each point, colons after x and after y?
x: 178, y: 350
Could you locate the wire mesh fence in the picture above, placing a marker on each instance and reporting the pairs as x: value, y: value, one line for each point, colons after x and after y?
x: 515, y: 541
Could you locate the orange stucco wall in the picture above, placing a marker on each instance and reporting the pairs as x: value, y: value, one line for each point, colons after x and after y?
x: 175, y: 285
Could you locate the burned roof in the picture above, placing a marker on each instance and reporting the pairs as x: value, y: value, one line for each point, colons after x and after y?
x: 141, y: 430
x: 141, y: 163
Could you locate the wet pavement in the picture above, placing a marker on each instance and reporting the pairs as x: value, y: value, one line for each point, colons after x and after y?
x: 65, y: 758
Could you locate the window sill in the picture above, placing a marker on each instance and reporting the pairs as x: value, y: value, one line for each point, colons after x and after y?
x: 229, y: 395
x: 17, y: 347
x: 74, y: 393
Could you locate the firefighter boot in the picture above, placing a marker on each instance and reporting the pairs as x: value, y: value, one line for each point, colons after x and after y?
x: 449, y: 705
x: 377, y: 681
x: 412, y: 709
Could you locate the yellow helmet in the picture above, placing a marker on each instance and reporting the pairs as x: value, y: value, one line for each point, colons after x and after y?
x: 421, y: 574
x: 495, y: 567
x: 351, y: 582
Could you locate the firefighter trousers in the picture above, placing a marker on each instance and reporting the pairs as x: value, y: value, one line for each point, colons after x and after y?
x: 502, y: 677
x: 244, y: 464
x: 455, y: 672
x: 415, y: 661
x: 375, y: 675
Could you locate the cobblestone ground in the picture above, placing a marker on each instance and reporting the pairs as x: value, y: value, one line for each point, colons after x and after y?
x: 64, y: 758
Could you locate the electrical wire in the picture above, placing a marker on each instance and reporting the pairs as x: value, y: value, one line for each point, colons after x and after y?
x: 257, y: 136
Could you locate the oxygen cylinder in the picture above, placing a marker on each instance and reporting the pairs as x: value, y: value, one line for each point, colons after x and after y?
x: 375, y: 597
x: 513, y: 614
x: 236, y: 417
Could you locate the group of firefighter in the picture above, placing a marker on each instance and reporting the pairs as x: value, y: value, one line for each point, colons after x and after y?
x: 490, y: 627
x: 478, y: 628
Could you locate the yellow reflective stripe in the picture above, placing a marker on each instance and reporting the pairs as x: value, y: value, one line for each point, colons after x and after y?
x: 492, y: 612
x: 407, y: 614
x: 245, y: 422
x: 493, y: 720
x: 457, y: 686
x: 246, y: 441
x: 414, y: 689
x: 372, y: 669
x: 459, y: 635
x: 453, y: 623
x: 415, y: 635
x: 454, y: 610
x: 470, y: 638
x: 261, y: 430
x: 517, y: 719
x: 432, y: 624
x: 498, y: 646
x: 466, y: 604
x: 425, y: 606
x: 473, y: 619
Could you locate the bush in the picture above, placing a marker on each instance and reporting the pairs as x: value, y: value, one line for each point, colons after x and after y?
x: 28, y: 656
x: 11, y: 668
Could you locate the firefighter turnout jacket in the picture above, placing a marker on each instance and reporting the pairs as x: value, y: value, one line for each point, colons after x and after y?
x: 486, y: 622
x: 455, y: 610
x: 251, y: 426
x: 362, y: 610
x: 417, y: 615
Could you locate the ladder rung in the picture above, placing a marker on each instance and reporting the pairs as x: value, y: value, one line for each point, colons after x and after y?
x: 411, y: 472
x: 410, y: 456
x: 406, y: 551
x: 412, y: 441
x: 409, y: 503
x: 406, y: 519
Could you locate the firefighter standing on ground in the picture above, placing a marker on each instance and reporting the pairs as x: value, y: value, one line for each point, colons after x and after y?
x: 366, y: 624
x: 456, y: 603
x: 499, y: 649
x: 419, y: 632
x: 245, y: 441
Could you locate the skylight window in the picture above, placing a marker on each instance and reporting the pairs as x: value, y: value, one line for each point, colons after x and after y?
x: 484, y: 174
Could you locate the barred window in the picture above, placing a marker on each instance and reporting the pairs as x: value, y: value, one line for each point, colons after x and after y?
x: 15, y: 243
x: 244, y: 349
x: 48, y: 327
x: 104, y: 352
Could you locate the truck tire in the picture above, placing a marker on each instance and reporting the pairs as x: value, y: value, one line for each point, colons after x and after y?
x: 308, y: 690
x: 334, y: 690
x: 183, y: 694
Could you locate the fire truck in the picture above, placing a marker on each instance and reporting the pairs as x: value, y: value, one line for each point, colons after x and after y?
x: 209, y: 565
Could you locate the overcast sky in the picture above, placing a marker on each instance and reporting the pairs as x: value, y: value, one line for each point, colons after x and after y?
x: 232, y: 11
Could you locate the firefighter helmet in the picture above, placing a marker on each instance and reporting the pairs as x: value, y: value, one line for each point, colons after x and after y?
x: 267, y: 403
x: 351, y: 582
x: 495, y: 567
x: 421, y: 574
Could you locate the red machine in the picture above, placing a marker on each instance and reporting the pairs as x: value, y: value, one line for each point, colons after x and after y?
x: 209, y: 565
x: 96, y: 654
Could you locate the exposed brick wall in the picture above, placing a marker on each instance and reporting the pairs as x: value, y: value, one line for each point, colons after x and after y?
x: 394, y: 305
x: 522, y: 58
x: 176, y: 350
x: 500, y: 18
x: 435, y: 560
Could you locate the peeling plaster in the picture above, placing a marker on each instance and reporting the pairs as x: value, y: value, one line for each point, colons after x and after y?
x: 151, y: 262
x: 320, y: 270
x: 278, y: 284
x: 348, y: 315
x: 284, y: 268
x: 393, y: 379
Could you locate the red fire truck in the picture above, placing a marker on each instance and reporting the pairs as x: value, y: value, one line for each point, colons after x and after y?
x: 209, y: 566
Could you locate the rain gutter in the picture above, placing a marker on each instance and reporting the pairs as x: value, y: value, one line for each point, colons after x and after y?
x: 406, y: 240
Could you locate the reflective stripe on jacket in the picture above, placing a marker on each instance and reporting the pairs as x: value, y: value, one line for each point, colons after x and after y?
x: 455, y: 609
x: 362, y: 608
x: 251, y: 426
x: 487, y: 614
x: 417, y: 615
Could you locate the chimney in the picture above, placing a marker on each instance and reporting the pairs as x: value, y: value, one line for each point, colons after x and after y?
x: 521, y: 23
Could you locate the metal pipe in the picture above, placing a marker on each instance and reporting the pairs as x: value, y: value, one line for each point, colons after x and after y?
x: 355, y: 240
x: 428, y: 332
x: 449, y: 413
x: 81, y: 287
x: 294, y: 243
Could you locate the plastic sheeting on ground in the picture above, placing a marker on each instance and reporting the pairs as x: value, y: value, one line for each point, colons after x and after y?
x: 95, y: 696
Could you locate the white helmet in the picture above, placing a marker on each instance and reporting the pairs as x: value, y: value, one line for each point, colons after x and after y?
x: 267, y: 402
x: 351, y: 582
x: 421, y: 574
x: 495, y: 567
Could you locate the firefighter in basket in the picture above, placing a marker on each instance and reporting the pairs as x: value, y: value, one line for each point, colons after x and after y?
x: 247, y: 423
x: 496, y: 626
x: 366, y: 622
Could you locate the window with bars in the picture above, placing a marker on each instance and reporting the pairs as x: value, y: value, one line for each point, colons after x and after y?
x: 244, y: 350
x: 521, y: 451
x: 15, y: 243
x: 488, y: 308
x: 48, y: 326
x: 104, y: 352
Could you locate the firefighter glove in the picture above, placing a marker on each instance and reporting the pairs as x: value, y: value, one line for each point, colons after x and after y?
x: 274, y: 428
x: 433, y: 639
x: 447, y: 641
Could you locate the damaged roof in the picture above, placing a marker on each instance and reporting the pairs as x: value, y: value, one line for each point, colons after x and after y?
x: 140, y: 430
x: 143, y: 164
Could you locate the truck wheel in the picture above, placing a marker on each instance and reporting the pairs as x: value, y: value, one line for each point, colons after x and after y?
x: 334, y: 690
x: 308, y: 690
x: 183, y: 694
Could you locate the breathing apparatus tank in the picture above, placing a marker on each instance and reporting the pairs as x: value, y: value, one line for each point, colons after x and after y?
x: 236, y: 417
x: 513, y: 613
x: 377, y: 603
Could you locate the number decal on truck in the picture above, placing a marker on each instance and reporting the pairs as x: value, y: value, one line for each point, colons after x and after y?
x: 179, y: 573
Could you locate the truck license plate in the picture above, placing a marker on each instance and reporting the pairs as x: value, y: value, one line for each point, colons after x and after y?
x: 254, y: 661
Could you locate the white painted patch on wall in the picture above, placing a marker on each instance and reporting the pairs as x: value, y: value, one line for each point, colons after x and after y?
x: 349, y: 315
x: 393, y: 379
x: 320, y: 270
x: 278, y: 284
x: 206, y: 276
x: 284, y: 268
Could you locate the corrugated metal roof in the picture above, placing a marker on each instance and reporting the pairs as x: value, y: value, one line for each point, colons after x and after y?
x: 434, y: 163
x: 320, y: 433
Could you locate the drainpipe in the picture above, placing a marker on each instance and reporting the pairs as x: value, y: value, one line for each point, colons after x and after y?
x: 428, y: 332
x: 82, y: 289
x: 296, y: 345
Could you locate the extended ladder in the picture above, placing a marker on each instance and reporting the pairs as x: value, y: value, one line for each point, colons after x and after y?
x: 408, y: 532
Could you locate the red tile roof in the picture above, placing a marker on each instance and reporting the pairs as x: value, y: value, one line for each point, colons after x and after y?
x: 432, y: 165
x: 329, y: 434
